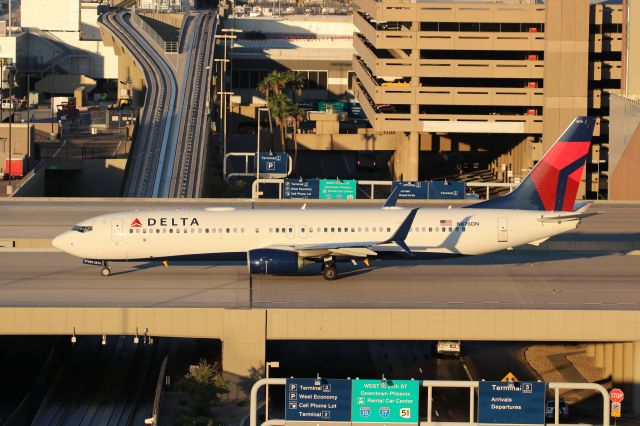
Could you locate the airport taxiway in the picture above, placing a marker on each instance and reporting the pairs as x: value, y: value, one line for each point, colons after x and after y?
x: 507, y: 280
x: 594, y: 267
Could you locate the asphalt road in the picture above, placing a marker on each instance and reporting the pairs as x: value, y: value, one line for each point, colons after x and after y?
x: 518, y: 280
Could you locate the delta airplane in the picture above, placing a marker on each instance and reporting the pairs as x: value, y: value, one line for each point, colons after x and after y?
x: 281, y: 241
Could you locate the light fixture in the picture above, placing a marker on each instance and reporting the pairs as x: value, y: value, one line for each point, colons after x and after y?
x: 318, y: 380
x: 74, y: 339
x: 383, y: 382
x: 104, y: 340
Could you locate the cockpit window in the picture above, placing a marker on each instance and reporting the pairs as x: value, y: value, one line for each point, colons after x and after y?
x: 82, y: 229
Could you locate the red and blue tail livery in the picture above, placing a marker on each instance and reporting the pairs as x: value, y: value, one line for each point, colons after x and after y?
x: 553, y: 183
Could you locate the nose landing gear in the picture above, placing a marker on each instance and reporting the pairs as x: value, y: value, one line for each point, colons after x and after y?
x: 105, y: 271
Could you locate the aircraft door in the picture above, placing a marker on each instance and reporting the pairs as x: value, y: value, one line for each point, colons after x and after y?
x: 116, y: 230
x: 503, y: 229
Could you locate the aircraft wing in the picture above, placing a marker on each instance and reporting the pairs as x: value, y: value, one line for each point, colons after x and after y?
x: 352, y: 248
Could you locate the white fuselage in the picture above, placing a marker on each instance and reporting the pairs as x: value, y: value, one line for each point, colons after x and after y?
x: 219, y: 232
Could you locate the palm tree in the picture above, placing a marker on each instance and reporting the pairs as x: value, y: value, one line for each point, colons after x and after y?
x: 295, y: 81
x: 272, y: 83
x: 279, y: 106
x: 278, y: 80
x: 266, y: 88
x: 297, y: 114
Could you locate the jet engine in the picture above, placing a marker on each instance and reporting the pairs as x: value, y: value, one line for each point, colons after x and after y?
x: 272, y: 261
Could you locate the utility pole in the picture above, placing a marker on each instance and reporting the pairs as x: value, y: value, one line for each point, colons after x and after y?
x: 51, y: 81
x: 9, y: 186
x: 223, y: 87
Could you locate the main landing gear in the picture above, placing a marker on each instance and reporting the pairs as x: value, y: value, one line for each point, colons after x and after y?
x: 329, y: 271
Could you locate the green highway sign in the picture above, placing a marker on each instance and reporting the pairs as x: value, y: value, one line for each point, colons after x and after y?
x: 332, y: 189
x: 385, y: 401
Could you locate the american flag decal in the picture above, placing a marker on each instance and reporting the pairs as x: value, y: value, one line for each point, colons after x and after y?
x: 445, y: 222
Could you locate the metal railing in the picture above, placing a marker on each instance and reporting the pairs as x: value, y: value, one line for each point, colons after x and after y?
x: 153, y: 420
x: 431, y: 384
x: 246, y: 171
x: 167, y: 46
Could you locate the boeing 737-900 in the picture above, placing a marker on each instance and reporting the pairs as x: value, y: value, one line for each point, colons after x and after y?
x: 281, y: 241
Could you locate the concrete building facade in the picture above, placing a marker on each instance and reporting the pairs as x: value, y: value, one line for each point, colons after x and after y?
x: 66, y: 39
x: 512, y: 72
x: 320, y: 47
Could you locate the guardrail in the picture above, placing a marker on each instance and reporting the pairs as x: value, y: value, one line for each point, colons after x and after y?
x: 167, y: 46
x: 246, y: 171
x: 489, y: 185
x: 472, y: 385
x: 373, y: 184
x: 153, y: 420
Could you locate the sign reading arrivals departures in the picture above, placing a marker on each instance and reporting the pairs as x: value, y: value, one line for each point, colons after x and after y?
x: 385, y: 401
x: 516, y: 403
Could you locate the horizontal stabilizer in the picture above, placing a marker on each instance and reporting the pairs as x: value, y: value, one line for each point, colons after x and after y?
x: 567, y: 217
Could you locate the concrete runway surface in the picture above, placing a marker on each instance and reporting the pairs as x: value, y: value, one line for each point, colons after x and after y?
x: 508, y: 280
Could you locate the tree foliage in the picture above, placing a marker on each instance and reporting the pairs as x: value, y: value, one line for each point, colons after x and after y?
x: 281, y: 107
x: 203, y: 385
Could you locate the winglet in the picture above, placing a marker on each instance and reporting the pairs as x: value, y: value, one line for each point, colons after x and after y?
x: 403, y: 230
x: 582, y: 206
x: 393, y: 198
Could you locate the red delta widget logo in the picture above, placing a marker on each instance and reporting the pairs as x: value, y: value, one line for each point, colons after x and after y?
x: 136, y: 223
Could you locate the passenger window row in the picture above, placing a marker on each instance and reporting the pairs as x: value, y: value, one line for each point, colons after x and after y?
x: 282, y: 230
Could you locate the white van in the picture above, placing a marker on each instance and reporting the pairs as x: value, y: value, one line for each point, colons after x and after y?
x: 448, y: 347
x: 6, y: 104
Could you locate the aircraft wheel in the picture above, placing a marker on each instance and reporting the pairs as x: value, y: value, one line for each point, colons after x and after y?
x: 106, y: 271
x: 329, y: 273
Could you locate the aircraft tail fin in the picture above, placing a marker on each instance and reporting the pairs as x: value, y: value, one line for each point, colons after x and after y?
x: 553, y: 183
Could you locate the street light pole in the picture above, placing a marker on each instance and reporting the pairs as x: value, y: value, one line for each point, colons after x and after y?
x: 272, y: 364
x: 51, y: 82
x: 258, y: 144
x: 233, y: 32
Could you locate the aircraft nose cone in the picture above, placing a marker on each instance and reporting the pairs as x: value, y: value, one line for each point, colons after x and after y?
x: 62, y: 241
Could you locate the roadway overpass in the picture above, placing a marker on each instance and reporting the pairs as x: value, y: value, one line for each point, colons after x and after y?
x: 581, y: 287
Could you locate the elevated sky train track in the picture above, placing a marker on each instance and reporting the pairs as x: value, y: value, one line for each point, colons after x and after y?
x: 168, y: 155
x: 190, y: 153
x: 156, y: 117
